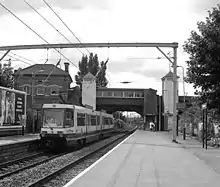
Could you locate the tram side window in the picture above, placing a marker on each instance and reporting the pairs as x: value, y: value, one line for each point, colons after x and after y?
x: 106, y: 121
x: 93, y: 120
x: 69, y: 118
x: 88, y: 119
x: 111, y: 122
x: 98, y: 120
x: 80, y: 119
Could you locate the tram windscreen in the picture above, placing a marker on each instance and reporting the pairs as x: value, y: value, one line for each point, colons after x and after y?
x: 53, y: 117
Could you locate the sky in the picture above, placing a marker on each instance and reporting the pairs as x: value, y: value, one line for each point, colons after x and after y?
x: 108, y: 21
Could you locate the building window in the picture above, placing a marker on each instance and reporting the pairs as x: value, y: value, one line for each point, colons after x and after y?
x: 40, y: 90
x: 109, y: 94
x: 99, y: 94
x: 130, y: 94
x: 137, y: 94
x: 54, y: 91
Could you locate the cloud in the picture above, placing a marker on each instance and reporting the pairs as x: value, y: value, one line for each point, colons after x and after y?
x: 202, y: 6
x: 121, y: 21
x: 123, y: 66
x: 20, y: 6
x: 152, y: 73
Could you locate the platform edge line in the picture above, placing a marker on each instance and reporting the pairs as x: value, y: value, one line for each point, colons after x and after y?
x: 95, y: 163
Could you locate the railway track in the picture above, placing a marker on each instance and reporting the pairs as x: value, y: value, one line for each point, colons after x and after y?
x: 47, y: 167
x: 47, y: 178
x: 18, y: 165
x: 24, y: 157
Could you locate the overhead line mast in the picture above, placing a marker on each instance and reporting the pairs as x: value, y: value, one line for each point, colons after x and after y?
x: 88, y: 45
x: 173, y: 61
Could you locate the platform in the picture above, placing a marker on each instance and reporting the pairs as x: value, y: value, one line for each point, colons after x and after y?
x: 18, y: 138
x: 148, y: 159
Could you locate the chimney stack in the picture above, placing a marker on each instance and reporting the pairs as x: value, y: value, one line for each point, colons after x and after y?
x: 66, y: 64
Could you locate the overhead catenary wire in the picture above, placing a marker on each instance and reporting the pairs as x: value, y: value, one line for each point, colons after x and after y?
x: 36, y: 33
x: 18, y: 59
x: 58, y: 63
x: 19, y: 56
x: 65, y: 24
x: 51, y: 71
x: 50, y: 24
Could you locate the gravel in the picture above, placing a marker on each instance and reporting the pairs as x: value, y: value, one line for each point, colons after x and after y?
x: 68, y: 175
x: 31, y: 175
x: 22, y: 164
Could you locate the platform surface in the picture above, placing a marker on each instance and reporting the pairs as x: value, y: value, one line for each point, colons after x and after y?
x: 18, y: 138
x: 148, y: 159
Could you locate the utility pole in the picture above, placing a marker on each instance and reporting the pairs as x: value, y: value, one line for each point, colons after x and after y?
x: 184, y: 102
x: 174, y: 94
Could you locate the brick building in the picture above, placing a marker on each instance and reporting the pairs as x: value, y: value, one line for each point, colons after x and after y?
x: 55, y: 89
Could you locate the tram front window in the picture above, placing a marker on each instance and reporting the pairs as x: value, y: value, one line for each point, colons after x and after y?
x: 53, y: 118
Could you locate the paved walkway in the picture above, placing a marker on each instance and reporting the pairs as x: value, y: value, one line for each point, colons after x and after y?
x: 211, y: 156
x: 18, y: 138
x: 149, y: 159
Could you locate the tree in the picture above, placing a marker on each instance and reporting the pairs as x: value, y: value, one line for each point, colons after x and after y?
x: 93, y: 66
x: 6, y: 75
x: 203, y: 48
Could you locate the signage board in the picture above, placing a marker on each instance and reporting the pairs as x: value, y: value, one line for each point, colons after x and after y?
x: 12, y: 107
x: 180, y: 106
x: 204, y: 106
x: 19, y: 107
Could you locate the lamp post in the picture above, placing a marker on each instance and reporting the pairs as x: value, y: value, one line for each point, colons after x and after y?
x: 32, y: 96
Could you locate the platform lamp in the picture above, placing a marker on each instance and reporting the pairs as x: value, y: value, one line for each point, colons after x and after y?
x: 32, y: 95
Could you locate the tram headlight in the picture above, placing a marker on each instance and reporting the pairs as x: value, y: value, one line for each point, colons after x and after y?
x: 60, y: 133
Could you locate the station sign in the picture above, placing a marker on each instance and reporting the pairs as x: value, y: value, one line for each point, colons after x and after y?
x: 204, y: 106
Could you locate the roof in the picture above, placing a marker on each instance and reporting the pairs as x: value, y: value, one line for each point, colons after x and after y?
x: 89, y: 76
x: 47, y: 68
x: 169, y: 75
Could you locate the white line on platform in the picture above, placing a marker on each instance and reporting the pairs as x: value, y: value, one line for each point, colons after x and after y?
x: 99, y: 160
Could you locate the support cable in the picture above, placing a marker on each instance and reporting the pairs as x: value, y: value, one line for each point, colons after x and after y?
x: 18, y: 59
x: 50, y: 24
x: 35, y: 33
x: 65, y: 25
